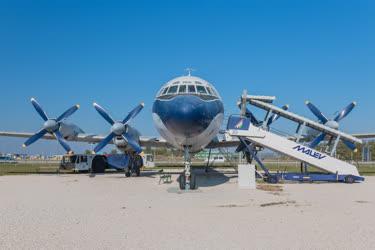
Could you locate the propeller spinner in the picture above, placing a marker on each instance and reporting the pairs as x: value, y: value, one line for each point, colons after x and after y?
x: 119, y: 128
x: 51, y: 125
x: 332, y: 123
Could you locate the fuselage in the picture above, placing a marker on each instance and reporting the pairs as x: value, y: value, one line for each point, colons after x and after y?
x: 188, y: 112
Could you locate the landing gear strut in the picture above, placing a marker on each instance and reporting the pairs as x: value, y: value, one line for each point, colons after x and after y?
x: 187, y: 180
x: 135, y: 164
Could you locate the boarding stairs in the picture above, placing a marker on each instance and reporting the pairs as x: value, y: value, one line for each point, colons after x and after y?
x: 241, y: 127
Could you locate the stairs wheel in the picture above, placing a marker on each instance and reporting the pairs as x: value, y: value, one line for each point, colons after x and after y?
x: 349, y: 179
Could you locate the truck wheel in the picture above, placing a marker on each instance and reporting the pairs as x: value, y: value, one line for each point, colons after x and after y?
x: 99, y: 164
x: 128, y: 173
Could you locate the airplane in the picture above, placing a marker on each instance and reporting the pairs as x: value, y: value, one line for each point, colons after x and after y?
x: 187, y: 112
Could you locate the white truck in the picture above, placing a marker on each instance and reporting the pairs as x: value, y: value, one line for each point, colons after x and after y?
x: 98, y: 163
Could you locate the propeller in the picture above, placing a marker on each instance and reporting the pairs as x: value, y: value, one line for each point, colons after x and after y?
x: 275, y: 117
x: 119, y: 128
x: 332, y: 123
x: 51, y: 125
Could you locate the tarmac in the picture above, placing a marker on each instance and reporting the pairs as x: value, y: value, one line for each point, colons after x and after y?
x: 111, y: 212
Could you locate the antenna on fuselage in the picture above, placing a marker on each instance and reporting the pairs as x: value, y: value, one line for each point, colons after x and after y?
x: 189, y: 70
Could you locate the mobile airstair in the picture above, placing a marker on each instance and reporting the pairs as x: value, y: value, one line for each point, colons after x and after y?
x: 335, y: 169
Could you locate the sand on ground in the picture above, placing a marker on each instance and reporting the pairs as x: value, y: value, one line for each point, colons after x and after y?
x: 111, y: 211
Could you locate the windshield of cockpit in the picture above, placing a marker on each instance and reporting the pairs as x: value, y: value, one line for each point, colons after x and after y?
x: 188, y: 88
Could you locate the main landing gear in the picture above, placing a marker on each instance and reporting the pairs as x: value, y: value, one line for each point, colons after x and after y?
x: 187, y: 180
x: 135, y: 164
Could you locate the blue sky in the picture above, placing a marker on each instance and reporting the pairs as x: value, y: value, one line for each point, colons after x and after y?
x: 119, y: 53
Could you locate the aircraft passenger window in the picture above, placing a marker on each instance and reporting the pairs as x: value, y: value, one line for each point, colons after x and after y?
x: 182, y: 89
x: 201, y: 90
x: 209, y: 91
x: 172, y: 90
x: 165, y: 91
x: 191, y: 88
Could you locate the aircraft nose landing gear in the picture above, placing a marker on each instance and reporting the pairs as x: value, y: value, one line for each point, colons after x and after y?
x: 187, y: 180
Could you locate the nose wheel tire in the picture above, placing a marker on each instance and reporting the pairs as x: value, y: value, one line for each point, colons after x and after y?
x: 182, y: 181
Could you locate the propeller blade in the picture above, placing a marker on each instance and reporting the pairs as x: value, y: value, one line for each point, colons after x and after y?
x: 317, y: 140
x: 62, y: 141
x: 104, y: 142
x: 133, y: 113
x: 68, y: 113
x: 104, y: 113
x: 316, y: 112
x: 345, y: 111
x: 35, y: 137
x: 132, y: 142
x: 275, y: 117
x: 39, y: 109
x: 350, y: 145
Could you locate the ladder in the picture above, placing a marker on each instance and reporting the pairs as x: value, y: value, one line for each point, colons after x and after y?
x: 242, y: 127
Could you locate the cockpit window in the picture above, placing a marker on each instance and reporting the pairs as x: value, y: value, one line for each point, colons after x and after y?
x: 213, y: 92
x: 209, y: 91
x: 182, y: 89
x: 201, y: 90
x: 165, y: 91
x: 172, y: 90
x: 191, y: 89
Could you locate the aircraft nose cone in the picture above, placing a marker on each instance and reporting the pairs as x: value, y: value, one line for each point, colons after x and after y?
x: 187, y: 116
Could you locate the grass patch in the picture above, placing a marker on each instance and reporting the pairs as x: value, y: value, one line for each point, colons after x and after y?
x: 19, y: 169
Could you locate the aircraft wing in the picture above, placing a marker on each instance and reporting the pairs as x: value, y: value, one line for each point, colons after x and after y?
x: 364, y: 135
x: 302, y: 120
x: 90, y: 138
x: 153, y: 142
